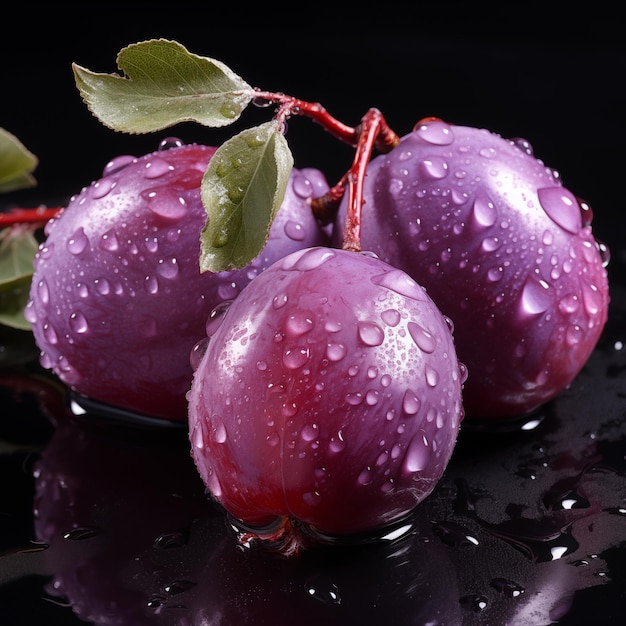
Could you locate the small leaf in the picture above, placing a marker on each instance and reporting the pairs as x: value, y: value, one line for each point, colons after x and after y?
x: 16, y: 164
x: 242, y: 190
x: 17, y: 251
x: 164, y: 85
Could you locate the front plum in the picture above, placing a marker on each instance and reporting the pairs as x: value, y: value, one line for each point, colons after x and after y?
x: 328, y: 400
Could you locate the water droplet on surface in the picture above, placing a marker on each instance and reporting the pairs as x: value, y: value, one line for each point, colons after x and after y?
x: 165, y: 202
x: 391, y: 317
x: 370, y: 334
x: 109, y: 242
x: 302, y: 186
x: 436, y: 132
x: 536, y: 298
x: 294, y: 358
x: 78, y: 323
x: 102, y: 187
x: 410, y: 403
x: 400, y: 282
x: 156, y: 167
x: 424, y: 340
x: 417, y: 455
x: 299, y: 323
x: 294, y: 230
x: 117, y: 164
x: 434, y: 167
x: 484, y: 213
x: 197, y: 352
x: 335, y: 351
x: 77, y: 242
x: 170, y: 142
x: 216, y: 317
x: 562, y: 207
x: 168, y: 268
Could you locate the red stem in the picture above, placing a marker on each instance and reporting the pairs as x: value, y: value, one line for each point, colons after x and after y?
x: 372, y: 133
x: 38, y: 215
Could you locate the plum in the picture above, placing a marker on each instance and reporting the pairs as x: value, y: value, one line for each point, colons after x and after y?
x: 328, y: 399
x: 504, y: 250
x: 117, y: 298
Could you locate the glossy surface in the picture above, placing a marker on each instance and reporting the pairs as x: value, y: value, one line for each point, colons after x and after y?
x: 118, y: 299
x: 504, y: 249
x: 526, y: 528
x: 329, y: 394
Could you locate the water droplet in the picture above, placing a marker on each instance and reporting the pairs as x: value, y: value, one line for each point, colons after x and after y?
x: 391, y: 317
x: 168, y: 268
x: 434, y: 131
x: 109, y: 242
x: 218, y: 431
x: 299, y: 323
x: 400, y: 282
x: 365, y: 477
x: 50, y: 334
x: 279, y: 301
x: 310, y: 432
x: 157, y: 167
x: 78, y: 323
x: 117, y: 164
x: 410, y: 403
x: 302, y: 186
x: 337, y: 443
x: 169, y: 143
x: 474, y: 602
x: 431, y: 375
x: 103, y: 286
x: 151, y: 285
x: 77, y: 242
x: 84, y: 532
x: 434, y: 167
x: 418, y: 453
x: 294, y: 230
x: 29, y: 312
x: 102, y: 187
x: 536, y: 297
x: 592, y: 298
x: 371, y: 397
x: 335, y: 351
x: 371, y: 334
x: 562, y: 207
x: 424, y: 340
x: 308, y: 259
x: 295, y: 358
x: 312, y: 498
x: 507, y: 587
x: 165, y: 202
x: 484, y: 213
x: 197, y: 352
x: 43, y: 291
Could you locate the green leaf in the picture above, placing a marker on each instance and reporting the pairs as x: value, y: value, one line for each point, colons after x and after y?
x: 16, y: 164
x: 17, y: 251
x: 164, y: 84
x: 242, y: 190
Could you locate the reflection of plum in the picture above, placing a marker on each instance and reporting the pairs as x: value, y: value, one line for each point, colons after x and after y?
x: 134, y: 541
x: 109, y: 504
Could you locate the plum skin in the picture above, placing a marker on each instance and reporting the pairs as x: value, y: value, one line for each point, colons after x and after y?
x: 117, y: 298
x: 315, y: 402
x: 505, y: 251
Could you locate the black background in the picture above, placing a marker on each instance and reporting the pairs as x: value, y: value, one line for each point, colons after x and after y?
x: 557, y: 82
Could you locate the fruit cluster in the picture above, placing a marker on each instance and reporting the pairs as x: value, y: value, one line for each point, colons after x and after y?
x: 324, y: 371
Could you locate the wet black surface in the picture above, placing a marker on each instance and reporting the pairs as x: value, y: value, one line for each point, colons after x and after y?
x: 106, y: 523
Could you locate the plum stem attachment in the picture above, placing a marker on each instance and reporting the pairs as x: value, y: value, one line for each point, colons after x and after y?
x: 373, y: 133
